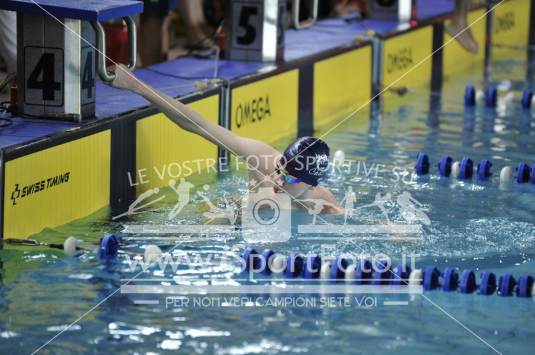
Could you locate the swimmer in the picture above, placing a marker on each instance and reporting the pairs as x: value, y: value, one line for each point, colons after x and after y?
x: 297, y: 171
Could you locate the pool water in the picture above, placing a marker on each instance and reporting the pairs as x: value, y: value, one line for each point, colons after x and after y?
x: 473, y: 226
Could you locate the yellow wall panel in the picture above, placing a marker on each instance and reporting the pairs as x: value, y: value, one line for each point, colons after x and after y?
x: 266, y: 110
x: 456, y: 58
x: 56, y: 185
x: 510, y: 26
x: 342, y: 84
x: 165, y: 151
x: 405, y: 52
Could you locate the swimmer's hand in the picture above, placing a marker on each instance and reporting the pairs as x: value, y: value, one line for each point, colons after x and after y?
x: 124, y: 79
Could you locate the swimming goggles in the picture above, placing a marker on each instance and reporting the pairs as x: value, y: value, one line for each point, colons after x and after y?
x: 287, y: 177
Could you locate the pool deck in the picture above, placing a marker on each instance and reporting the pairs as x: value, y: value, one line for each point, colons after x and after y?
x: 178, y: 77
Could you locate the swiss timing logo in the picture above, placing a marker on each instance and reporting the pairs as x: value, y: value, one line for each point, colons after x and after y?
x: 38, y: 186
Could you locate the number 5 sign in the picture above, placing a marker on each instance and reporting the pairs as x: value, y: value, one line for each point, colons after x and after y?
x: 254, y: 30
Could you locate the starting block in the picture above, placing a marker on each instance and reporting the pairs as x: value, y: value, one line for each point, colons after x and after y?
x: 255, y: 30
x: 57, y: 60
x: 393, y: 10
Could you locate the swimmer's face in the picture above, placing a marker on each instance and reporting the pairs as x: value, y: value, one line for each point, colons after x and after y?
x: 294, y: 189
x: 297, y: 190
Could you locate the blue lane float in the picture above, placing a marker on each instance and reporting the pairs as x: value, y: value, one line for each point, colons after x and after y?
x: 338, y: 268
x: 422, y: 164
x: 488, y: 283
x: 108, y: 247
x: 294, y: 266
x: 251, y: 260
x: 525, y: 102
x: 312, y: 267
x: 266, y: 257
x: 363, y: 273
x: 483, y: 170
x: 466, y: 169
x: 522, y: 173
x: 468, y: 282
x: 491, y: 96
x: 444, y: 166
x: 381, y: 275
x: 532, y: 174
x: 506, y: 285
x: 431, y: 278
x: 525, y: 286
x: 470, y: 96
x: 451, y: 280
x: 400, y: 275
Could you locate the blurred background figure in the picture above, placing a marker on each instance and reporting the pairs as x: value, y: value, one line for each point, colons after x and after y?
x: 8, y: 51
x: 326, y: 8
x: 153, y: 29
x: 195, y: 24
x: 8, y: 40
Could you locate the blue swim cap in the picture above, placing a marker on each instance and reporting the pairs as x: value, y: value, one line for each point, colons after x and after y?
x: 307, y: 159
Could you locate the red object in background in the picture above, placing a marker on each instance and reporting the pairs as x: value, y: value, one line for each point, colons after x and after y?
x: 362, y: 6
x: 220, y: 39
x: 116, y: 42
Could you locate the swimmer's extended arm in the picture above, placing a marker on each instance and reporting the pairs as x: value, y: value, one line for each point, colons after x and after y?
x: 321, y: 193
x: 191, y: 120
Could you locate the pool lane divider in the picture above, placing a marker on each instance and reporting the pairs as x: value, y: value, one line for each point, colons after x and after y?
x: 107, y: 250
x: 490, y: 97
x: 464, y: 170
x: 364, y: 273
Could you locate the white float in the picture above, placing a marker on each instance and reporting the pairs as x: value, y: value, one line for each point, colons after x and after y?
x: 339, y: 157
x: 509, y: 97
x: 350, y: 273
x: 152, y: 252
x: 416, y: 277
x: 455, y: 169
x: 325, y: 270
x: 506, y: 175
x: 278, y: 263
x: 69, y: 246
x: 504, y: 85
x: 480, y: 96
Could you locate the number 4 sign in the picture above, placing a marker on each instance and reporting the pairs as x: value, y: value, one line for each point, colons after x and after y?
x: 43, y: 76
x: 57, y: 70
x: 255, y: 30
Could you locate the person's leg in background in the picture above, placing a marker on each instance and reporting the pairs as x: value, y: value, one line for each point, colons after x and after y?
x: 154, y: 39
x: 8, y: 39
x: 192, y: 14
x: 459, y: 23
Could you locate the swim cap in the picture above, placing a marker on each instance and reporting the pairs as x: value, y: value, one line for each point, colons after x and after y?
x: 307, y: 158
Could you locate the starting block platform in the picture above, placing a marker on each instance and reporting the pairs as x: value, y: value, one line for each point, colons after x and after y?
x: 93, y: 10
x: 53, y: 172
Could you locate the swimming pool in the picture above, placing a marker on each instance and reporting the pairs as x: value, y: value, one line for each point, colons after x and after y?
x: 473, y: 226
